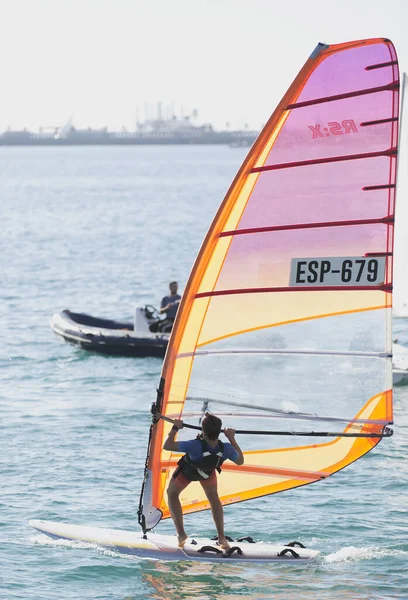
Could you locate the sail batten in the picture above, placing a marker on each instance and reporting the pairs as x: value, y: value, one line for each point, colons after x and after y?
x: 284, y: 415
x: 321, y: 288
x: 254, y: 469
x: 284, y: 351
x: 323, y: 161
x: 382, y: 65
x: 379, y: 122
x: 316, y: 225
x: 290, y: 296
x: 390, y: 87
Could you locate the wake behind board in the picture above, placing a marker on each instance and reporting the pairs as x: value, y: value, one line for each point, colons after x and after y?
x: 165, y: 546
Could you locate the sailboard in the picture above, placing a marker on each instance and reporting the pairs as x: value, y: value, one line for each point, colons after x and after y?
x: 400, y: 364
x: 164, y: 547
x: 285, y: 327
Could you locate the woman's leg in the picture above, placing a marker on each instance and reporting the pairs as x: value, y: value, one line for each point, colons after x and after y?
x: 173, y: 493
x: 211, y: 492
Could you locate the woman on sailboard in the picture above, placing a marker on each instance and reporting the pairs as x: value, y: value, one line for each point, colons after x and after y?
x: 203, y: 457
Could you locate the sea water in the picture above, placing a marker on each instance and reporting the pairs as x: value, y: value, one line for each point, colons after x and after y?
x: 100, y: 230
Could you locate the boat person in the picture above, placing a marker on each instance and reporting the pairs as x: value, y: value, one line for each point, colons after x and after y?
x: 169, y: 304
x: 203, y: 457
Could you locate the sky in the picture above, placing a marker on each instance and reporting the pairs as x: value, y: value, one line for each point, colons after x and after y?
x: 109, y: 62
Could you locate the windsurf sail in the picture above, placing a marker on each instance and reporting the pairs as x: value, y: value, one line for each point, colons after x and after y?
x: 284, y: 330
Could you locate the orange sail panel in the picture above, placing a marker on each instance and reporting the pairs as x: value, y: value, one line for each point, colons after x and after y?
x: 287, y: 310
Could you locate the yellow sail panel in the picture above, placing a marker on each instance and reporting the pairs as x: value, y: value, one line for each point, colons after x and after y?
x: 270, y: 471
x: 289, y: 301
x: 228, y: 317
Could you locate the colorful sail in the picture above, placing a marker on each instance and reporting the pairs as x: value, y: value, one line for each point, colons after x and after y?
x: 285, y: 324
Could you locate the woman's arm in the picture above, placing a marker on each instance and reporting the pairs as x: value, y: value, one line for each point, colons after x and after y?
x: 230, y: 435
x: 170, y: 444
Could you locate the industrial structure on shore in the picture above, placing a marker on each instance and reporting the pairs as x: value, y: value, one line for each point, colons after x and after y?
x: 156, y: 130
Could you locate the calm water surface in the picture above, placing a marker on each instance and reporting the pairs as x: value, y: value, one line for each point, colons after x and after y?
x: 100, y: 230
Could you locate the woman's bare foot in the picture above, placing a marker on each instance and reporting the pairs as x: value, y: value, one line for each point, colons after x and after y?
x: 182, y: 537
x: 223, y: 543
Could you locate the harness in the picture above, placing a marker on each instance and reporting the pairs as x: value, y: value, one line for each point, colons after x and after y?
x: 203, y: 468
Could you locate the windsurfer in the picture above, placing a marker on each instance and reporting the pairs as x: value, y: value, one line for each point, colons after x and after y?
x: 203, y: 456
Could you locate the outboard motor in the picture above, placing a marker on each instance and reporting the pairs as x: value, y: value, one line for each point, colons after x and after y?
x: 146, y: 319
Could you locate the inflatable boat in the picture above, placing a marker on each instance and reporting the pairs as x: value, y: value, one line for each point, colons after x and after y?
x: 148, y: 335
x: 399, y: 364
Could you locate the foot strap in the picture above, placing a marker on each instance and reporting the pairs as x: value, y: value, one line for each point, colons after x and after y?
x: 287, y: 551
x: 299, y: 544
x: 227, y: 537
x: 220, y: 553
x: 232, y: 550
x: 210, y: 549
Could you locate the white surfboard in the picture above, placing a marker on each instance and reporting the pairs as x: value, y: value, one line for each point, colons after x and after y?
x: 165, y: 546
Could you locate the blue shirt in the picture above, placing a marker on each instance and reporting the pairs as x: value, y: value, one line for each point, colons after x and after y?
x: 194, y: 449
x: 171, y: 312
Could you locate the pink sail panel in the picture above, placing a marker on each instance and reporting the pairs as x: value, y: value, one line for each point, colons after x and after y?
x: 351, y: 70
x: 342, y: 191
x: 336, y: 129
x: 260, y: 260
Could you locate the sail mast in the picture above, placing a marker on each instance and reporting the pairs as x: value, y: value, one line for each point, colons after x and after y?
x: 401, y: 240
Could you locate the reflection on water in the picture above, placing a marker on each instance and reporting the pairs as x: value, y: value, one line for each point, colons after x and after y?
x: 206, y: 581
